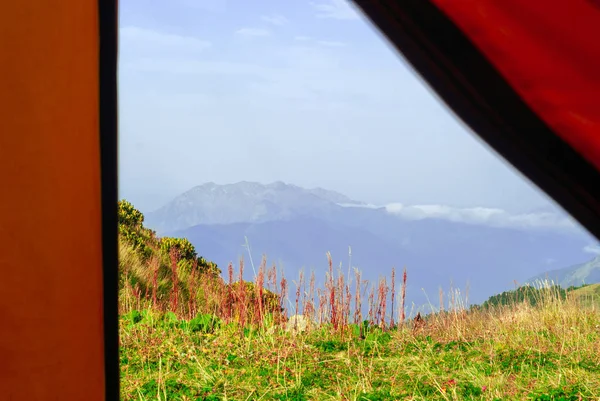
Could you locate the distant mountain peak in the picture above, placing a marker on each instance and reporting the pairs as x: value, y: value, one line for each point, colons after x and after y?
x: 280, y: 184
x: 243, y: 202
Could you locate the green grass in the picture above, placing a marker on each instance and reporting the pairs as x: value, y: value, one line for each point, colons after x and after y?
x: 187, y: 334
x: 518, y: 352
x: 588, y: 296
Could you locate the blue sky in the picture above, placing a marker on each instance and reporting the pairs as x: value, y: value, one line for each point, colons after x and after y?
x: 305, y: 92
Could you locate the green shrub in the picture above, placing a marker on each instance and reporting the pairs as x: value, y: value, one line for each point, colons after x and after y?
x: 133, y: 317
x: 129, y: 216
x: 132, y: 230
x: 169, y: 319
x: 203, y: 323
x: 184, y: 247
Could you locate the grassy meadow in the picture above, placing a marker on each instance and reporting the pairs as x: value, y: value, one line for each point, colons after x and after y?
x: 187, y: 333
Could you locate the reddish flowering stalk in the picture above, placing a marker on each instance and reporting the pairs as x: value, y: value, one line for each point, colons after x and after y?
x: 322, y: 297
x: 340, y: 299
x: 310, y: 307
x: 304, y: 294
x: 347, y: 305
x: 357, y: 300
x: 242, y: 295
x: 230, y: 297
x: 192, y: 289
x: 392, y: 324
x: 331, y: 288
x: 260, y: 281
x: 298, y: 290
x: 382, y: 298
x: 371, y: 305
x: 403, y: 297
x: 155, y: 264
x: 175, y: 289
x: 230, y: 273
x: 272, y: 278
x: 378, y: 303
x: 207, y: 290
x: 282, y: 296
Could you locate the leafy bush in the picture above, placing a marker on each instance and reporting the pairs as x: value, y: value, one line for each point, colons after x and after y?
x: 129, y: 216
x: 210, y: 267
x: 169, y: 319
x: 184, y: 247
x: 131, y: 228
x: 133, y: 317
x: 204, y: 323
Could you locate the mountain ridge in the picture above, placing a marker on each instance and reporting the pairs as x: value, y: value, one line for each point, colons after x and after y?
x: 244, y: 201
x: 575, y: 275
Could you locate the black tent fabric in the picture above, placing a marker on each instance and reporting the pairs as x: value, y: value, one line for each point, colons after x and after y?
x: 464, y: 67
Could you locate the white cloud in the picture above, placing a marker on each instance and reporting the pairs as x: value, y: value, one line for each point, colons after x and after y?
x: 148, y: 39
x: 331, y: 43
x: 336, y: 9
x: 180, y: 67
x: 306, y: 73
x: 363, y: 205
x: 252, y: 32
x: 482, y: 216
x: 275, y: 19
x: 210, y: 5
x: 595, y: 249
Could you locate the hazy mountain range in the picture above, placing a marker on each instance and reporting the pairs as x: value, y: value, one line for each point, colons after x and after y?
x: 243, y: 202
x: 581, y: 273
x: 439, y: 245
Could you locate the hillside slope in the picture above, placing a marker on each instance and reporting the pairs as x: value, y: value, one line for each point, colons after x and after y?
x: 576, y: 275
x: 166, y: 274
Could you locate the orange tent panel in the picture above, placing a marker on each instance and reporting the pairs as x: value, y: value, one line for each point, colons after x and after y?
x: 51, y: 303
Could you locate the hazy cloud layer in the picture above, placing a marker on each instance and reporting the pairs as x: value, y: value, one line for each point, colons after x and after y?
x: 275, y: 19
x: 594, y: 249
x: 138, y: 39
x: 252, y: 32
x: 482, y: 216
x: 336, y: 9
